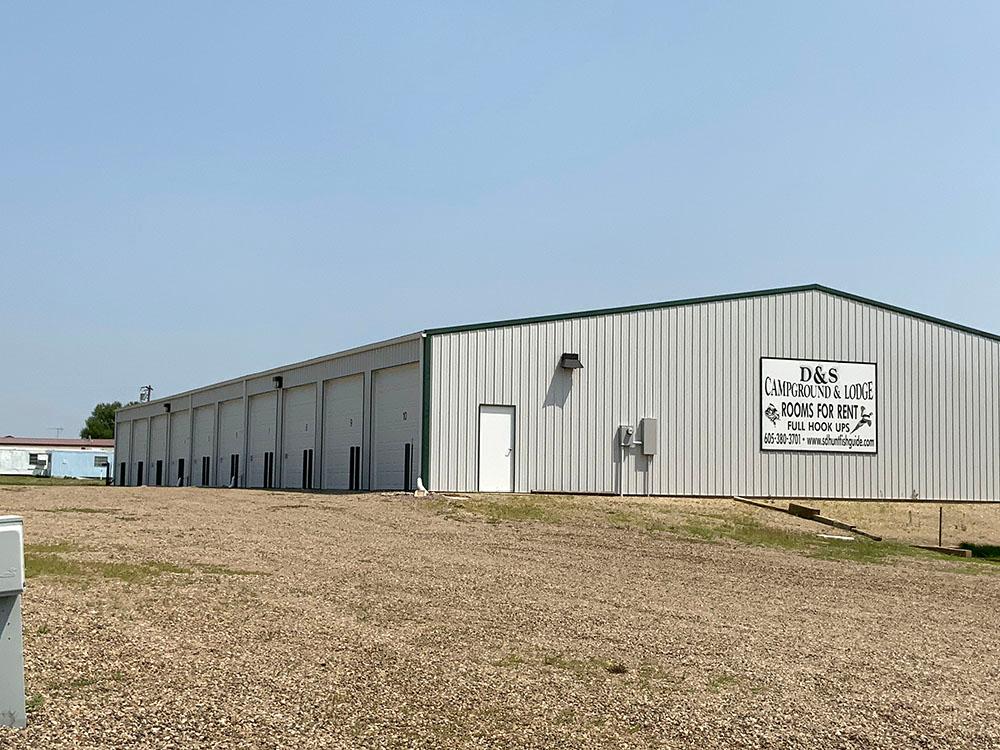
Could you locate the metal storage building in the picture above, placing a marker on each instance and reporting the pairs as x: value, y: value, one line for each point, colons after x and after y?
x: 798, y: 392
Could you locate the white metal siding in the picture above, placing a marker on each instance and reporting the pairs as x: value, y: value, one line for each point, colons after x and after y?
x: 298, y: 432
x: 696, y: 368
x: 230, y: 439
x: 343, y: 427
x: 203, y: 434
x: 180, y: 445
x: 140, y: 437
x: 263, y: 435
x: 231, y: 395
x: 395, y: 423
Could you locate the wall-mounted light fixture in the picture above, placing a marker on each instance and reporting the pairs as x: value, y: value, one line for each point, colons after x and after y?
x: 278, y: 381
x: 570, y: 361
x: 166, y: 406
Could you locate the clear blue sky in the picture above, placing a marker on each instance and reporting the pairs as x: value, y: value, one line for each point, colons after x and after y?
x: 193, y: 191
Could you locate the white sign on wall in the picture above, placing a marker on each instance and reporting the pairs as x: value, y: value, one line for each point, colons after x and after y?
x: 812, y: 405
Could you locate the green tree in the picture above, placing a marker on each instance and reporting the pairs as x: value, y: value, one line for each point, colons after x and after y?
x: 100, y: 424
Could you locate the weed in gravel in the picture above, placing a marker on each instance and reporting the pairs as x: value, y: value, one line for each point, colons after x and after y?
x: 564, y: 716
x: 622, y: 519
x: 509, y: 660
x: 80, y: 682
x: 222, y: 570
x: 81, y: 510
x: 720, y: 682
x: 615, y: 667
x: 561, y: 662
x: 34, y: 702
x: 43, y: 630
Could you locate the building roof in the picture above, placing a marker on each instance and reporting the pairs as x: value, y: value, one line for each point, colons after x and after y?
x: 428, y: 332
x: 56, y: 442
x: 715, y: 298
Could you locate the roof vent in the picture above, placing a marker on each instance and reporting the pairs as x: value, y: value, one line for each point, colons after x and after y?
x: 569, y: 361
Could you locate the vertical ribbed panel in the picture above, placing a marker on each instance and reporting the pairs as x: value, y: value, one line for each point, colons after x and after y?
x: 133, y: 421
x: 697, y: 369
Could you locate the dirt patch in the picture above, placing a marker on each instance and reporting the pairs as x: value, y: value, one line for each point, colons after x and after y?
x: 490, y: 622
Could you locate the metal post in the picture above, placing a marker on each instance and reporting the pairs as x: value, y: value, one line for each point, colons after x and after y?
x: 12, y: 708
x: 940, y: 525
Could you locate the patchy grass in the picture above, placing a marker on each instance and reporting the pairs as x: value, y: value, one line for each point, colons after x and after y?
x: 515, y: 508
x: 81, y: 510
x: 52, y: 548
x: 691, y: 525
x: 49, y: 481
x: 750, y: 531
x: 48, y: 560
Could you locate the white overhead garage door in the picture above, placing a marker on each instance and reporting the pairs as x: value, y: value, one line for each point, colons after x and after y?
x: 230, y: 442
x: 396, y: 410
x: 201, y: 454
x: 180, y: 441
x: 298, y: 435
x: 123, y: 435
x: 263, y: 426
x: 140, y: 433
x: 158, y: 449
x: 343, y: 432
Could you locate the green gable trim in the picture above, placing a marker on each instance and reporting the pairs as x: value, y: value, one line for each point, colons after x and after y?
x: 704, y: 300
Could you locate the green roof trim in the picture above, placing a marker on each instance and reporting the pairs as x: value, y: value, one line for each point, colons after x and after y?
x: 714, y: 298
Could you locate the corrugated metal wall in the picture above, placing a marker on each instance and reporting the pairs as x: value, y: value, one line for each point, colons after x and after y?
x: 229, y: 399
x: 697, y: 368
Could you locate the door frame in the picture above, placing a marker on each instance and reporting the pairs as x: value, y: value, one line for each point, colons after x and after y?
x: 513, y: 447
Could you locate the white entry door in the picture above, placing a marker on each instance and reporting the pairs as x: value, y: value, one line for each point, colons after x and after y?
x: 496, y: 448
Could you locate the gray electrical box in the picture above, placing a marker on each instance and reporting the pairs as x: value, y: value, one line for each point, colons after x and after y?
x: 11, y: 555
x: 649, y: 435
x: 626, y: 433
x: 12, y: 709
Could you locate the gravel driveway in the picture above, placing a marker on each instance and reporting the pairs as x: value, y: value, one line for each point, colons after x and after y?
x: 189, y: 618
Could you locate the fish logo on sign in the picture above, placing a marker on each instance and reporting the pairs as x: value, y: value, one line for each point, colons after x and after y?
x: 771, y: 413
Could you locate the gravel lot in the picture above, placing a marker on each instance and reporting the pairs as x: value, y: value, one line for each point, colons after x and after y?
x: 188, y: 618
